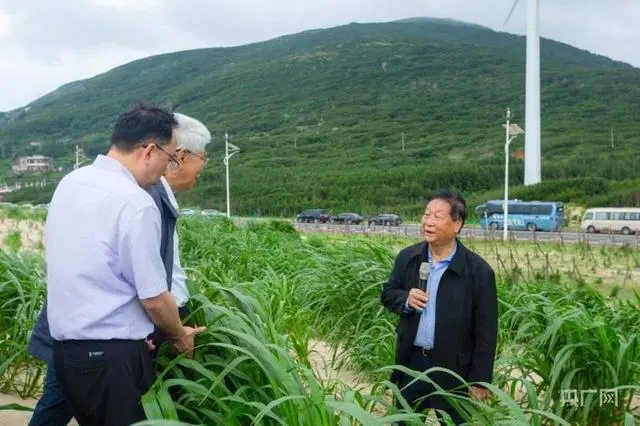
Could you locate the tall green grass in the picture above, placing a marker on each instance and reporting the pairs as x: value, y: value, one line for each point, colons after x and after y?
x: 245, y: 372
x: 329, y: 289
x: 21, y: 297
x: 265, y: 292
x: 20, y: 213
x: 13, y: 240
x: 573, y: 339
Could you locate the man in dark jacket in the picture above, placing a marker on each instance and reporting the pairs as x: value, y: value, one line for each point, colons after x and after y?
x: 447, y: 308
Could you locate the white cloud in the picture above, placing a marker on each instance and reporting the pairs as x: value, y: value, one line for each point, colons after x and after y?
x: 140, y: 5
x: 44, y: 44
x: 5, y: 24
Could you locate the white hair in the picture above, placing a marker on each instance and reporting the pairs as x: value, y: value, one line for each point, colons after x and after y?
x: 191, y: 134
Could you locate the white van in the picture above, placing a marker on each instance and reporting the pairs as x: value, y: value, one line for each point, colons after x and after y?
x: 611, y: 219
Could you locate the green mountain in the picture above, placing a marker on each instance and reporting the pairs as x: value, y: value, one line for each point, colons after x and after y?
x: 320, y: 117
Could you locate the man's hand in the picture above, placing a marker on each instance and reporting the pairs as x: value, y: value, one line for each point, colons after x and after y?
x: 480, y: 393
x: 150, y: 344
x: 417, y: 299
x: 186, y: 341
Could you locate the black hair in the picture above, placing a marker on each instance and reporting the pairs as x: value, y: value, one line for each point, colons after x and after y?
x: 455, y: 200
x: 141, y: 122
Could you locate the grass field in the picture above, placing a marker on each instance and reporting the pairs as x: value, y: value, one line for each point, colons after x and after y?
x: 611, y: 270
x: 569, y: 316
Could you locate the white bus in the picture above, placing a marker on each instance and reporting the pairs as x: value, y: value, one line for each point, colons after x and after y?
x: 611, y: 219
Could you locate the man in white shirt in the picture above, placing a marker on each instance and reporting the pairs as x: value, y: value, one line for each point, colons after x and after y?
x: 192, y: 138
x: 107, y: 286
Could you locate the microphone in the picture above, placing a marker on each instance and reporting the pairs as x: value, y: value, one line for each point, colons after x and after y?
x: 423, y: 274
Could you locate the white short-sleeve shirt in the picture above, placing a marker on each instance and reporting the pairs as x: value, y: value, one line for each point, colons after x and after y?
x: 102, y: 241
x: 179, y: 287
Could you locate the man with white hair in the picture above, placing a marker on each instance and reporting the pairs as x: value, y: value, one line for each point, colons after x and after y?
x: 192, y: 138
x: 182, y: 173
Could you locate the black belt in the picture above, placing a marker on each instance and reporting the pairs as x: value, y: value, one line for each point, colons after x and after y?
x: 101, y: 341
x: 428, y: 353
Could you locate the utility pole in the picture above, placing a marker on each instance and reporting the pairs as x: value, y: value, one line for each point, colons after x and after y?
x: 511, y: 131
x: 229, y: 150
x: 79, y: 157
x: 402, y: 141
x: 612, y: 138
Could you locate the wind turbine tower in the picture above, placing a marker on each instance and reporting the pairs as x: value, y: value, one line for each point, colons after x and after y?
x: 532, y: 154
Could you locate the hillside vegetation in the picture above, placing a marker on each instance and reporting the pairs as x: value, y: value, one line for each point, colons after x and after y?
x: 320, y: 117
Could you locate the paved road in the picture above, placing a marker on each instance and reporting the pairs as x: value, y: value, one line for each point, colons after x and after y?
x: 479, y: 233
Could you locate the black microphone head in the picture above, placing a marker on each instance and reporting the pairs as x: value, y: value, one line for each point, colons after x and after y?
x: 424, y: 271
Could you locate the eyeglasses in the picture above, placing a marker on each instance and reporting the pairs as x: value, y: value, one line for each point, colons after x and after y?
x: 173, y: 160
x: 203, y: 157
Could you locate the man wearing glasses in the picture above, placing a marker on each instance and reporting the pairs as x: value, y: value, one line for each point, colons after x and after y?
x: 107, y: 287
x: 182, y: 174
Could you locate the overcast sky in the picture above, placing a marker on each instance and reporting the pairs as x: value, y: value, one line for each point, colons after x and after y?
x: 46, y: 43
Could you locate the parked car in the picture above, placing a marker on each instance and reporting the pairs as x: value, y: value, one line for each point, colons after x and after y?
x: 187, y: 212
x: 386, y: 219
x: 314, y: 216
x: 348, y: 218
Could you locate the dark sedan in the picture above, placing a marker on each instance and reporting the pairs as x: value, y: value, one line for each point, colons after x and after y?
x: 385, y: 219
x: 313, y: 216
x: 347, y: 218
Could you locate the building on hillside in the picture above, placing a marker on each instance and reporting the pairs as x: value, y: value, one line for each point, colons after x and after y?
x: 33, y: 164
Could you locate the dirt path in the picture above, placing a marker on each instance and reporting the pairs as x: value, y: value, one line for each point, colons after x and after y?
x: 18, y: 418
x: 30, y: 233
x: 12, y: 417
x: 321, y: 357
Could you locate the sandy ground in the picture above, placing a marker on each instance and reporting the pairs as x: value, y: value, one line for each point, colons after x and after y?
x: 321, y: 356
x: 321, y: 359
x: 31, y: 232
x: 12, y: 417
x: 18, y: 418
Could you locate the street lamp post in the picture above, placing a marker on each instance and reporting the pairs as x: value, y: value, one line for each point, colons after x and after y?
x: 229, y: 150
x: 512, y: 131
x: 79, y: 157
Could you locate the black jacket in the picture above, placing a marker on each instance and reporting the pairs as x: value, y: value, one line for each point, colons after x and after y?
x: 466, y: 315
